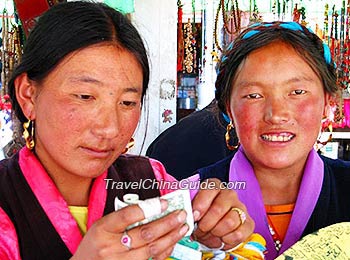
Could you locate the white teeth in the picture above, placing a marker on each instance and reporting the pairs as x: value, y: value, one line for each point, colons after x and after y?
x: 277, y: 138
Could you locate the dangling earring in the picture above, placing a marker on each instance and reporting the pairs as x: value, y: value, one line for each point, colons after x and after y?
x: 29, y: 137
x: 330, y: 128
x: 129, y: 145
x: 228, y: 137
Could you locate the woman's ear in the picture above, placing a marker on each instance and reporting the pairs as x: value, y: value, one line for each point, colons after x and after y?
x: 328, y: 101
x: 25, y: 93
x: 228, y: 112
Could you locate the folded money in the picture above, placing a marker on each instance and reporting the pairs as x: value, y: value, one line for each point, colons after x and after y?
x: 177, y: 200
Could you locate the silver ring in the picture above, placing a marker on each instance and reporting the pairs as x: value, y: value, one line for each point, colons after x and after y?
x: 126, y: 240
x: 218, y: 248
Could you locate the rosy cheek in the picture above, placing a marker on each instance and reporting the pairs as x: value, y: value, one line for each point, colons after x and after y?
x: 246, y: 119
x: 313, y: 121
x: 131, y: 121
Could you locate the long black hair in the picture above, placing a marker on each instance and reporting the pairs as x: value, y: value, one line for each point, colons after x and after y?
x: 67, y: 27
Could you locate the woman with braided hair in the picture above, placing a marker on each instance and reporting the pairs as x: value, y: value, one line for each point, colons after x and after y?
x: 275, y: 81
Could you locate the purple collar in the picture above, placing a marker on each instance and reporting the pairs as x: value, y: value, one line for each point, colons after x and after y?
x: 251, y: 196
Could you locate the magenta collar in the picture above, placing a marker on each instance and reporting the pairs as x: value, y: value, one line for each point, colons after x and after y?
x: 54, y: 204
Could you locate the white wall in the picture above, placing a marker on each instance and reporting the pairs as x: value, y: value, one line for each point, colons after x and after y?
x: 156, y: 20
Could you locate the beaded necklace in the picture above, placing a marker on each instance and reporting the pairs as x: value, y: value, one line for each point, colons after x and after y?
x: 188, y: 46
x: 325, y: 26
x: 236, y: 17
x: 4, y: 53
x: 236, y: 14
x: 180, y: 40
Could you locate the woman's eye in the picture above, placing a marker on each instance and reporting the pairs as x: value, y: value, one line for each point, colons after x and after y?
x: 298, y: 92
x: 253, y: 96
x: 128, y: 103
x: 84, y: 96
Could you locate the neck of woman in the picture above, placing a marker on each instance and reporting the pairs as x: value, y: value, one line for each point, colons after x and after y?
x: 279, y: 187
x: 74, y: 189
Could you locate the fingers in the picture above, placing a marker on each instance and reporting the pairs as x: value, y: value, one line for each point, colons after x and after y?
x: 204, y: 198
x: 241, y: 234
x: 208, y: 239
x: 156, y: 239
x: 162, y: 247
x: 232, y: 221
x: 150, y: 232
x: 118, y: 220
x: 220, y: 206
x: 223, y: 218
x: 230, y: 234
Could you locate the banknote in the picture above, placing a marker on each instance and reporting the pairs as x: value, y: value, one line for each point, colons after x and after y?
x: 177, y: 200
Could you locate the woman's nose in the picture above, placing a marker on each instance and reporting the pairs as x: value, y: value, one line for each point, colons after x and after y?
x: 276, y: 111
x: 106, y: 123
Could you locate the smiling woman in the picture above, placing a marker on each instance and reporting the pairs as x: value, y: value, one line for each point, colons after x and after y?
x: 78, y: 92
x: 276, y: 81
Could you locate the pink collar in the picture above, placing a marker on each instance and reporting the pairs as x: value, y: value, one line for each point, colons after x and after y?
x: 54, y: 204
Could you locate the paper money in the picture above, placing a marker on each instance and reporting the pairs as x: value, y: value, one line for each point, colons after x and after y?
x: 177, y: 200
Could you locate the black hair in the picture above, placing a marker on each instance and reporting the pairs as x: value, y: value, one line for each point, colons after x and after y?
x: 67, y: 27
x: 307, y: 44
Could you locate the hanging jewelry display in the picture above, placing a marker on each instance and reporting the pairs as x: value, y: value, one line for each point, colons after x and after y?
x: 11, y: 50
x: 273, y: 9
x: 215, y: 33
x: 346, y: 83
x: 254, y: 16
x: 4, y: 53
x: 235, y: 15
x: 278, y: 10
x: 302, y: 11
x: 345, y: 45
x: 343, y: 67
x: 194, y: 33
x: 236, y: 18
x: 180, y: 40
x: 337, y: 37
x: 284, y: 8
x: 202, y: 59
x: 188, y: 46
x: 11, y: 53
x: 341, y: 46
x: 325, y: 25
x: 296, y: 14
x: 335, y: 45
x: 189, y: 64
x: 332, y: 38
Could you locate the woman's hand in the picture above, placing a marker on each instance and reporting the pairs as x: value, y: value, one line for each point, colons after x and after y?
x: 155, y: 239
x: 219, y: 225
